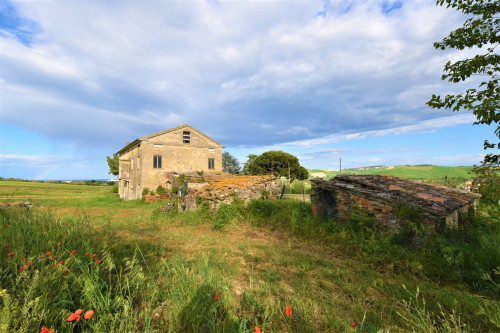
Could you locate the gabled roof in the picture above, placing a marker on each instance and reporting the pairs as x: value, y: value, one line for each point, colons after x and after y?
x: 150, y: 136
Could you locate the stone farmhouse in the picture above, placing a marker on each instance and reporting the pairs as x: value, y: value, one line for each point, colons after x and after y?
x: 182, y: 149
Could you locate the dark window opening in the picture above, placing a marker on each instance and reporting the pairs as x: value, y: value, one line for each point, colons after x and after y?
x: 211, y: 164
x: 157, y: 162
x: 186, y: 137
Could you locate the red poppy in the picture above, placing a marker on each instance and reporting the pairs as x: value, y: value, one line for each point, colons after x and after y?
x: 53, y: 257
x: 98, y: 261
x: 55, y: 265
x: 47, y: 330
x: 5, y: 225
x: 11, y: 254
x: 78, y: 312
x: 8, y: 245
x: 48, y: 253
x: 86, y: 254
x: 73, y: 317
x: 31, y: 263
x: 94, y: 255
x: 288, y: 311
x: 25, y: 260
x: 66, y: 271
x: 216, y: 297
x: 64, y: 236
x: 257, y: 329
x: 61, y: 262
x: 73, y: 252
x: 353, y: 324
x: 89, y: 314
x: 22, y: 268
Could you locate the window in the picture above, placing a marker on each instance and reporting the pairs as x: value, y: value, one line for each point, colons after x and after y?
x: 157, y: 162
x: 211, y: 164
x: 157, y: 146
x: 186, y: 137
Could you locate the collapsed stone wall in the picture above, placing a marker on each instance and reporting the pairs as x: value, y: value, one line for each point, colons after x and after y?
x: 214, y: 189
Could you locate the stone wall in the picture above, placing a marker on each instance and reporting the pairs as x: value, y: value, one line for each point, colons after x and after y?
x: 219, y: 188
x: 381, y: 197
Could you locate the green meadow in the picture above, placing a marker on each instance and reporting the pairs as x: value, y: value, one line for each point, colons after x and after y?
x: 232, y: 270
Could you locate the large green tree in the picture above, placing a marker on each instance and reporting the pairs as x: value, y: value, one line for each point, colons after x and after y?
x: 276, y: 162
x: 480, y: 32
x: 113, y: 164
x: 230, y: 164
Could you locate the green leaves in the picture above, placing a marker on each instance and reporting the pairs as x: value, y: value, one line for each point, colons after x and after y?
x: 481, y: 29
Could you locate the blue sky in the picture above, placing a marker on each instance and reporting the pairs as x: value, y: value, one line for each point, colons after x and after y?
x: 319, y: 79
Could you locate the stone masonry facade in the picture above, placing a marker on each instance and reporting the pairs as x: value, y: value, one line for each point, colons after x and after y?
x: 183, y: 149
x: 379, y: 196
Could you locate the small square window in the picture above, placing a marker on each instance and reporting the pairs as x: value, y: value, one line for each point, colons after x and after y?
x: 186, y: 137
x: 211, y: 164
x: 157, y: 162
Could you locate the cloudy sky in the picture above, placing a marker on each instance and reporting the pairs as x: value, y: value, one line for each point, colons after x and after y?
x: 319, y: 79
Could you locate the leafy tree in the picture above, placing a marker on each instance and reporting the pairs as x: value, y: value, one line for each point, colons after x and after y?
x: 480, y: 29
x: 230, y: 164
x: 276, y: 162
x: 113, y: 164
x: 249, y: 164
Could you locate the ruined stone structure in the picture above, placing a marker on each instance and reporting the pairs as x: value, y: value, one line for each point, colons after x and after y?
x: 182, y: 149
x: 380, y: 196
x: 221, y: 188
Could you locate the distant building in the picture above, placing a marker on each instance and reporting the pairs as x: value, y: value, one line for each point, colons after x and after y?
x: 379, y: 196
x: 181, y: 149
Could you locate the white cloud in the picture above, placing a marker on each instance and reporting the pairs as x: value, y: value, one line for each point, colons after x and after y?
x: 246, y: 73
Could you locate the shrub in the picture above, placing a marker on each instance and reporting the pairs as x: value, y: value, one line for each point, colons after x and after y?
x: 225, y: 215
x: 174, y: 190
x: 145, y: 191
x: 114, y: 189
x: 161, y: 190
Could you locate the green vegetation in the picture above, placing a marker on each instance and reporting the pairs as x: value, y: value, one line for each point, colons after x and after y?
x: 234, y: 269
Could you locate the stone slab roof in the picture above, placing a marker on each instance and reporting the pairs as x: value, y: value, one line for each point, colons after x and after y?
x: 434, y: 200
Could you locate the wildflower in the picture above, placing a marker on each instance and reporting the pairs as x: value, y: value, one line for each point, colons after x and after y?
x: 53, y: 257
x: 22, y: 268
x: 25, y: 260
x: 94, y: 255
x: 73, y: 317
x: 98, y: 261
x: 66, y: 271
x: 288, y: 311
x: 257, y: 329
x: 78, y: 312
x: 61, y: 262
x: 353, y: 324
x: 88, y: 314
x: 73, y: 252
x: 5, y: 225
x: 11, y: 254
x: 48, y: 253
x: 47, y: 330
x: 55, y: 265
x: 225, y: 308
x: 8, y: 245
x: 64, y: 236
x: 87, y: 254
x: 216, y: 297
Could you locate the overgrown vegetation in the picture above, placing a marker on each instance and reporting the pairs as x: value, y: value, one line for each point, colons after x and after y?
x: 161, y: 271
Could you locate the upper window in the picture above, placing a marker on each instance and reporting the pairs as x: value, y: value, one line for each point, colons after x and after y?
x: 186, y: 137
x: 157, y: 162
x: 211, y: 164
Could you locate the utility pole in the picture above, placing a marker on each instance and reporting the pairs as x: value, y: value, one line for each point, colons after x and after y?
x: 289, y: 183
x: 340, y: 166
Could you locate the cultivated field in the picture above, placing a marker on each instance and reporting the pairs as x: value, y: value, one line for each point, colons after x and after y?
x: 232, y: 271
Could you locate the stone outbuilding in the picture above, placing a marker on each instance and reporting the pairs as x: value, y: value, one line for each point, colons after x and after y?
x: 379, y: 196
x: 182, y: 149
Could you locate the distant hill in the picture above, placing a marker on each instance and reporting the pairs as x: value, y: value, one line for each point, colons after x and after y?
x: 421, y: 172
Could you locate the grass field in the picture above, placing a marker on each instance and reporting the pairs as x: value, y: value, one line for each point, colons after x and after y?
x: 421, y: 172
x: 177, y: 272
